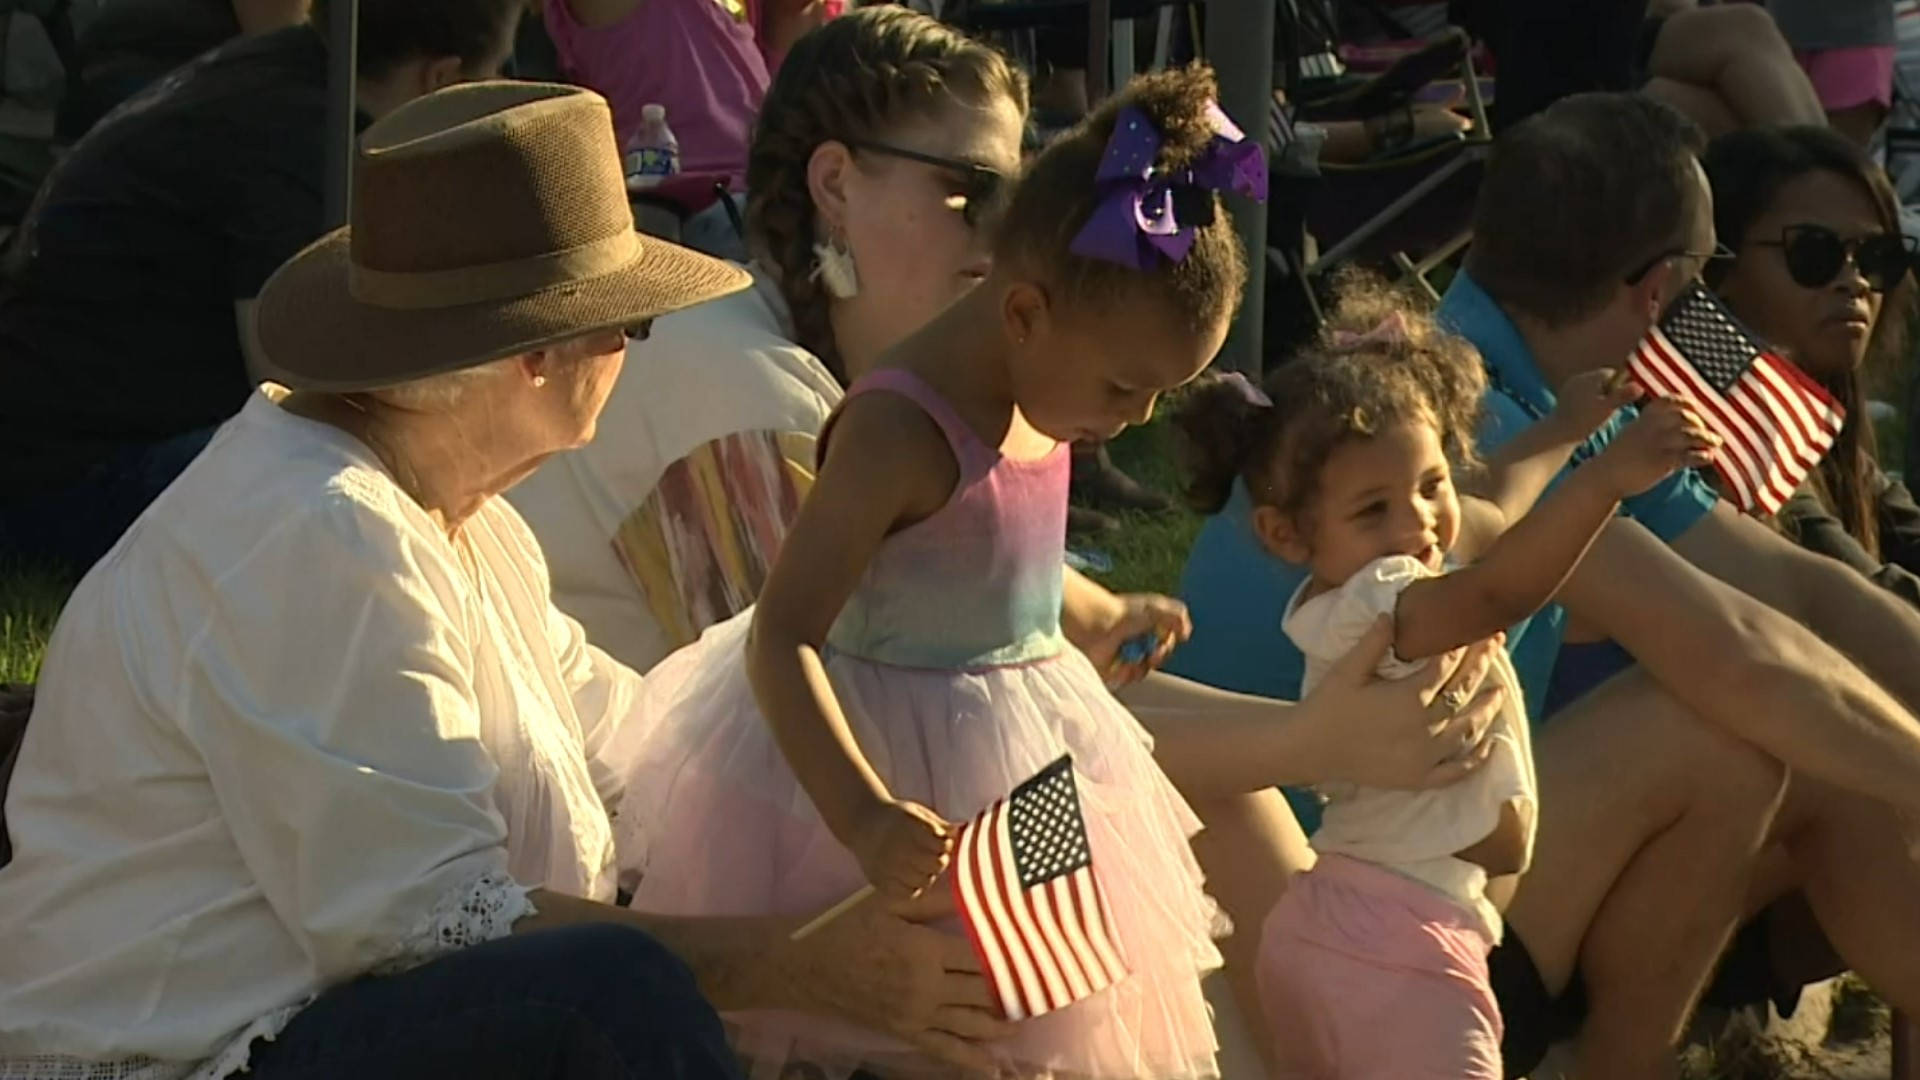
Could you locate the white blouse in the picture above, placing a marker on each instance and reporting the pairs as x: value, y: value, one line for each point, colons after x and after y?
x: 1414, y: 833
x: 288, y: 733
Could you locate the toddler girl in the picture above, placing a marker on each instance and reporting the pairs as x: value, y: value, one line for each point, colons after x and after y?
x: 1374, y: 963
x: 913, y: 656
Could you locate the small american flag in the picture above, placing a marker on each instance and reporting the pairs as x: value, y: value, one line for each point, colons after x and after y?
x: 1777, y: 422
x: 1023, y: 879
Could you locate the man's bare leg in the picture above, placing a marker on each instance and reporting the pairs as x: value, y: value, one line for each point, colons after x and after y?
x: 1650, y: 825
x: 1849, y: 856
x: 1251, y: 847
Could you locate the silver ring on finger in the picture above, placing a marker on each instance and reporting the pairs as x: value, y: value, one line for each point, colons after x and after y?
x: 1453, y: 701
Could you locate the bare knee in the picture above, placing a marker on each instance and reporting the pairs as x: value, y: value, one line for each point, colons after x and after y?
x: 1725, y: 777
x: 1695, y: 45
x: 1739, y: 28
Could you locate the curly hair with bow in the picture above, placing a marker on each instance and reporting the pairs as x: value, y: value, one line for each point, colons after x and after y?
x: 1129, y: 201
x: 1380, y: 361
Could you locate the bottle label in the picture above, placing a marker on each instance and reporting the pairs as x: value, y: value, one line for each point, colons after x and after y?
x: 653, y: 161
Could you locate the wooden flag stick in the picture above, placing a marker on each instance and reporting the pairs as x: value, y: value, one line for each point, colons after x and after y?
x: 833, y: 913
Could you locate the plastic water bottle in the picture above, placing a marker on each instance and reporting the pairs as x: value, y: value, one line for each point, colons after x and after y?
x: 654, y: 154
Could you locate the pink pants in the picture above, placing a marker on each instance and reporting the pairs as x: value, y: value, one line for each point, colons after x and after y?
x: 1366, y: 975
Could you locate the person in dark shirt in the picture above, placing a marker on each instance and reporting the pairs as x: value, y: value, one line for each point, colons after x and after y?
x: 130, y: 43
x: 124, y: 294
x: 1822, y: 272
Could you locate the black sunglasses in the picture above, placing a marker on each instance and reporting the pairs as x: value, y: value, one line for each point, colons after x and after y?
x: 1720, y: 251
x: 980, y: 185
x: 1816, y: 255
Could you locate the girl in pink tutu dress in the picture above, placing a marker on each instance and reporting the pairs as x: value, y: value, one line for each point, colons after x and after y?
x: 913, y: 657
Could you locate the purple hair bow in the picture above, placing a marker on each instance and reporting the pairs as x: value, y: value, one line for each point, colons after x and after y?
x: 1144, y: 215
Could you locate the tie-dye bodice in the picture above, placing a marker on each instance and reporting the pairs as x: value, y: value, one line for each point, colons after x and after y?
x: 978, y: 584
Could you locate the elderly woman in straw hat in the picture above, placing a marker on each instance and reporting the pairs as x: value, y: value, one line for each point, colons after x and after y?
x: 317, y: 782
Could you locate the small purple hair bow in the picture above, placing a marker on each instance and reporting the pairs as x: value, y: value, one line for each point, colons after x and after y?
x: 1144, y: 215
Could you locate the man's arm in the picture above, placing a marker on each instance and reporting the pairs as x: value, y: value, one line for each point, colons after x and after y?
x: 875, y: 966
x: 1735, y: 661
x: 1869, y: 625
x: 1383, y: 733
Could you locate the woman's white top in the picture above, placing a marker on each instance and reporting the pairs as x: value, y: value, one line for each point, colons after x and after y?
x: 667, y: 522
x: 1413, y: 833
x: 288, y: 732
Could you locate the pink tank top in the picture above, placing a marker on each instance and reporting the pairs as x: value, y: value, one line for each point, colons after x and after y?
x: 692, y: 56
x: 978, y: 584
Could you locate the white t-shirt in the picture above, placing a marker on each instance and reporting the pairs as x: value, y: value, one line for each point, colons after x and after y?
x: 668, y: 521
x: 1414, y: 833
x: 287, y: 733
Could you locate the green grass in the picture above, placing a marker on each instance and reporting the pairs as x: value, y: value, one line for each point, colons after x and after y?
x: 28, y: 605
x: 1149, y: 550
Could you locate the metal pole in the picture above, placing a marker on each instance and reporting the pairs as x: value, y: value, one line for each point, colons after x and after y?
x: 343, y: 49
x: 1240, y: 45
x: 1100, y: 73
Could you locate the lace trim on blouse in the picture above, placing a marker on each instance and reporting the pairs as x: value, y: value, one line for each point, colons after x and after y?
x: 481, y: 911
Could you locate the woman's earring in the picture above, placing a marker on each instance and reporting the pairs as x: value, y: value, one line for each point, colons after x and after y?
x: 539, y: 381
x: 833, y: 267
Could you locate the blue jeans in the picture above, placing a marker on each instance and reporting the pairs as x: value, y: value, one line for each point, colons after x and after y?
x: 66, y: 530
x: 597, y: 1002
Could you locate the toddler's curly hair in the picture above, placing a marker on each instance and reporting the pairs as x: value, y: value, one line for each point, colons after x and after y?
x: 1381, y: 360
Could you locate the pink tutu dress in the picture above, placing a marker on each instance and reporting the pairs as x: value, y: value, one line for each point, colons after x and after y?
x: 950, y: 665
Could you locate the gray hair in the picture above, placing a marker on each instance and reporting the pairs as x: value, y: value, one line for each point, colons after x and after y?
x: 435, y: 393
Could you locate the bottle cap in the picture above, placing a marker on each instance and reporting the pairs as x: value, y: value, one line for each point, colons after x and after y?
x: 653, y: 114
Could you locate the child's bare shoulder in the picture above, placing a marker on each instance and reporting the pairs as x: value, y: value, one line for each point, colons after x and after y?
x: 890, y: 443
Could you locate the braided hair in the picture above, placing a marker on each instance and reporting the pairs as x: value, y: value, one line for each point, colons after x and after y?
x: 850, y: 80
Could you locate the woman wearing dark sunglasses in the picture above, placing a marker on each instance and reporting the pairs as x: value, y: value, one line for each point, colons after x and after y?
x: 1822, y: 273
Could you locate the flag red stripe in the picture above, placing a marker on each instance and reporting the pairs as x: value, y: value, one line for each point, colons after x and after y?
x: 1667, y: 375
x: 1060, y: 897
x: 1743, y: 439
x: 1779, y: 460
x: 1005, y: 896
x: 971, y: 887
x: 1053, y: 929
x: 1053, y: 988
x: 1752, y: 460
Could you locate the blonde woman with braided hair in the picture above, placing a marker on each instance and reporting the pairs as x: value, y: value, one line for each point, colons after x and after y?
x: 881, y: 146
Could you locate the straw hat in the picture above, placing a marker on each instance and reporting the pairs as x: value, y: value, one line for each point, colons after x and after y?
x: 489, y: 219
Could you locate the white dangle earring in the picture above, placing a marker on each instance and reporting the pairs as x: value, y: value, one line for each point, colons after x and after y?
x: 833, y: 267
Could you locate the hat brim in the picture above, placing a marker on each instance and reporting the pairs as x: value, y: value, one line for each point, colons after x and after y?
x: 314, y: 334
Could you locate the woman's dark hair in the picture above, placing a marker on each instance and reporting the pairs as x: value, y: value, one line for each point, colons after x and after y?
x: 1379, y: 362
x: 852, y: 80
x: 395, y: 31
x: 1747, y: 169
x: 1057, y: 194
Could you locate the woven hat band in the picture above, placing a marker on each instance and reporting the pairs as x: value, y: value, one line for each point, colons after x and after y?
x: 462, y: 285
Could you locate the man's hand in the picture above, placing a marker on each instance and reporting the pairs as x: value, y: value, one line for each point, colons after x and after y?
x: 1427, y: 730
x: 881, y: 967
